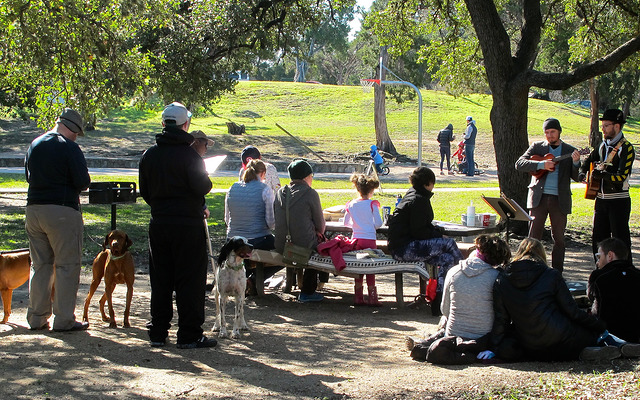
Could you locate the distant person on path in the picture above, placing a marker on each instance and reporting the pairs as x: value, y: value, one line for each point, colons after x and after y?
x: 271, y: 179
x: 412, y: 235
x: 445, y: 137
x: 201, y: 142
x: 56, y: 171
x: 470, y: 145
x: 306, y: 221
x: 613, y: 288
x: 173, y: 182
x: 550, y: 187
x: 363, y: 216
x: 613, y: 203
x: 248, y: 212
x: 536, y: 318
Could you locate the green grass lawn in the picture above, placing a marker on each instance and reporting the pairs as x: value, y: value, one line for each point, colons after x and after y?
x: 133, y: 218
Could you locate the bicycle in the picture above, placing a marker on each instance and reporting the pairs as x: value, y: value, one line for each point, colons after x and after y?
x: 372, y: 167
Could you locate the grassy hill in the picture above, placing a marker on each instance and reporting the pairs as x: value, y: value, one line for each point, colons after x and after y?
x: 338, y: 120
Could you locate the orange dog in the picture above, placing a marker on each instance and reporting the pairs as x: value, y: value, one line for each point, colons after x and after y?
x: 115, y: 264
x: 15, y: 266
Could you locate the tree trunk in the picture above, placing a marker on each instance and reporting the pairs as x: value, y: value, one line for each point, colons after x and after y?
x: 510, y: 141
x: 383, y: 141
x: 595, y: 137
x: 300, y: 71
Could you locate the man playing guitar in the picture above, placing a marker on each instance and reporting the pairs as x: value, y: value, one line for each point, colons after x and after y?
x: 613, y: 161
x: 552, y: 164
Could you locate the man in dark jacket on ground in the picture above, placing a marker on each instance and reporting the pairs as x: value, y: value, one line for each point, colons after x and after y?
x: 613, y: 287
x: 174, y: 181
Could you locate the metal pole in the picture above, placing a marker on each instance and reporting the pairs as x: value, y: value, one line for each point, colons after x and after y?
x: 414, y: 87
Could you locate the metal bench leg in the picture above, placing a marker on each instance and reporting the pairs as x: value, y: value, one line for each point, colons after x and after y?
x: 399, y: 290
x: 259, y: 275
x: 291, y: 274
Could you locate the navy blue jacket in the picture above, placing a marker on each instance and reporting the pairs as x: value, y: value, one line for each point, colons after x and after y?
x: 56, y: 171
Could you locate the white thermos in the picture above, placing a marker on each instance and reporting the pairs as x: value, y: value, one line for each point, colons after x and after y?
x: 471, y: 215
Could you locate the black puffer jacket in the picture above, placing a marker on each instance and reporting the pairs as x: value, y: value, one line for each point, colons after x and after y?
x: 411, y: 220
x: 533, y: 305
x: 173, y: 179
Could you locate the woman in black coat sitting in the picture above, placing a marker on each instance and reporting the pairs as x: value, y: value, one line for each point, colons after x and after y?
x: 536, y: 317
x: 413, y: 237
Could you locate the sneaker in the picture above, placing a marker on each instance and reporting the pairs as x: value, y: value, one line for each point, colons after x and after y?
x: 40, y: 328
x: 159, y: 343
x: 630, y: 350
x: 612, y: 340
x: 201, y: 343
x: 604, y: 353
x: 410, y: 342
x: 77, y: 326
x: 310, y: 298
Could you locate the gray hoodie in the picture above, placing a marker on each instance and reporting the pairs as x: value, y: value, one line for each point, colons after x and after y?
x: 467, y: 298
x: 305, y: 216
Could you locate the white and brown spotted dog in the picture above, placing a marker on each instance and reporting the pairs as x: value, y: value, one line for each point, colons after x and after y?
x: 231, y: 280
x: 115, y: 264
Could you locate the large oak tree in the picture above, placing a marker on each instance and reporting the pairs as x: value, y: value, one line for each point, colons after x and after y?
x: 502, y: 39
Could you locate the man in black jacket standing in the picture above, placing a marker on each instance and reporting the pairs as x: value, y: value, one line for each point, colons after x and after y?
x: 57, y: 172
x: 174, y: 181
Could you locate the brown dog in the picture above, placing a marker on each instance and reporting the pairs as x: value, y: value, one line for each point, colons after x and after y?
x: 15, y: 266
x: 115, y: 264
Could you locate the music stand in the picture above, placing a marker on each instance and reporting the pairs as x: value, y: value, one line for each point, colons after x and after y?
x: 508, y: 210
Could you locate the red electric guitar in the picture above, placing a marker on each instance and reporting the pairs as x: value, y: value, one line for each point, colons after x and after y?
x: 550, y: 157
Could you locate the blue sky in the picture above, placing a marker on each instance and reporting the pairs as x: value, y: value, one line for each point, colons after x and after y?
x: 355, y: 24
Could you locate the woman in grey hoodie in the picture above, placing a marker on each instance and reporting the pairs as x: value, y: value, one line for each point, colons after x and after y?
x: 467, y: 305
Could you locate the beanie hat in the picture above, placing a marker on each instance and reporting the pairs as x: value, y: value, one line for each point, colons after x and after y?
x: 299, y: 169
x: 251, y: 152
x: 551, y: 123
x: 72, y: 120
x: 614, y: 115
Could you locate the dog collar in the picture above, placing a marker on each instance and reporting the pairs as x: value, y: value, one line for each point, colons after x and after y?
x: 235, y: 267
x: 116, y: 257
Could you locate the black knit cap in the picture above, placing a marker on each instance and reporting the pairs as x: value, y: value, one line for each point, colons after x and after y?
x: 299, y: 169
x: 551, y: 123
x: 251, y: 152
x: 614, y: 115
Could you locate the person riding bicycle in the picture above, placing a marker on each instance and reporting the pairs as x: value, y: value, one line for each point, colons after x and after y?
x: 377, y: 158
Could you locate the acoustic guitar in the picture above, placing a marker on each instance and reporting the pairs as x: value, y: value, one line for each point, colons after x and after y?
x: 550, y: 157
x: 594, y: 182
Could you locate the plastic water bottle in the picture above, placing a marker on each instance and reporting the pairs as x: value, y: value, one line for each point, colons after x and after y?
x: 398, y: 199
x: 471, y: 215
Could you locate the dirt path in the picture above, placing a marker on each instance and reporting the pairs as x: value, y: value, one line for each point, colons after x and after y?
x: 293, y: 351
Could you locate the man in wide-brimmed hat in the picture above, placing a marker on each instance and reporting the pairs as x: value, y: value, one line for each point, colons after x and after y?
x: 613, y: 162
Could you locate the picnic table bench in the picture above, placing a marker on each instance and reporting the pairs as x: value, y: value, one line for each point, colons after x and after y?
x: 382, y: 264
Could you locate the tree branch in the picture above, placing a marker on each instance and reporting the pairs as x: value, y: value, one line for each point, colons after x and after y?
x: 562, y: 81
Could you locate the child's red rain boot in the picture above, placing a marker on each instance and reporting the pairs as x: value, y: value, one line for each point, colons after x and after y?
x: 373, y: 297
x: 358, y: 299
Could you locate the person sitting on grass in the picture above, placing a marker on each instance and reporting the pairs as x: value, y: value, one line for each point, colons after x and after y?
x: 413, y: 237
x: 467, y: 307
x: 613, y: 288
x: 536, y: 318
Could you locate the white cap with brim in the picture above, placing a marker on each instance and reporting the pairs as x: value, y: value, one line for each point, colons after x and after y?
x: 176, y: 113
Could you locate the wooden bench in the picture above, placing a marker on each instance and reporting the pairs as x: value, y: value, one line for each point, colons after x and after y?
x: 355, y: 267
